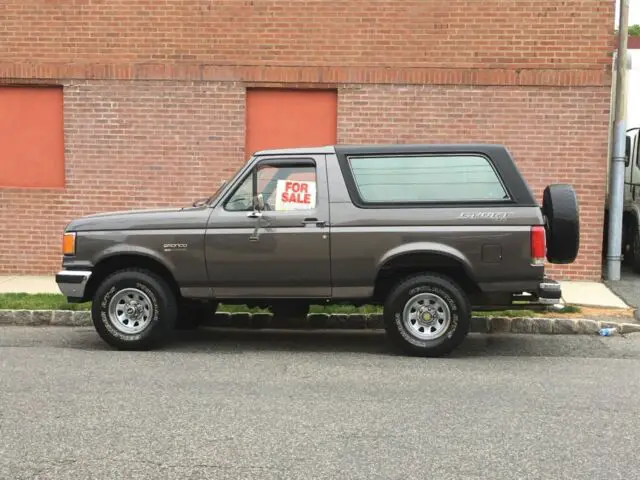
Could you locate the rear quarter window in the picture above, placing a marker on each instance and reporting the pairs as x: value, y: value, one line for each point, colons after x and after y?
x: 464, y: 178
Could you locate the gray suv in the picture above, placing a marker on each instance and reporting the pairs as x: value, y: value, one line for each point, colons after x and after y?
x: 428, y: 231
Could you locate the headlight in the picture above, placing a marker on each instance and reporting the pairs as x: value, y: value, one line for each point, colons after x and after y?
x: 69, y: 243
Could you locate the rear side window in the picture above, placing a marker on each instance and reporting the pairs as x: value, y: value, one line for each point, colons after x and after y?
x: 426, y: 179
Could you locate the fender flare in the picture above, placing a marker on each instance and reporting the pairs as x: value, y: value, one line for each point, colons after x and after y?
x: 135, y: 250
x: 428, y: 248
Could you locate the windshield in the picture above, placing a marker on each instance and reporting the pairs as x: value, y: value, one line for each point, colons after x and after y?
x: 216, y: 193
x: 224, y: 184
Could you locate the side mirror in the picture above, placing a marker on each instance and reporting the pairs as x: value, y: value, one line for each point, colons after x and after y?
x: 258, y: 202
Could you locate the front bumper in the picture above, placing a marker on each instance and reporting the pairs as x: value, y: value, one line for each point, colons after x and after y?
x: 72, y: 283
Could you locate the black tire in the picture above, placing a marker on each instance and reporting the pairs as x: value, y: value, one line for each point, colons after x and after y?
x: 634, y: 249
x: 560, y: 207
x: 194, y: 313
x: 161, y: 319
x: 452, y: 334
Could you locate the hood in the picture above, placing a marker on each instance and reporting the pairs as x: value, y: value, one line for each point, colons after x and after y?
x: 151, y: 219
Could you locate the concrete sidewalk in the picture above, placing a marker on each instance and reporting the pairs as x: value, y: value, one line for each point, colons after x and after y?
x: 588, y: 294
x: 28, y: 284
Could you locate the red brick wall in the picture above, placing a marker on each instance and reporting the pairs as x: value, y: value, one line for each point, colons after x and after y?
x: 154, y: 92
x: 138, y: 144
x: 306, y: 40
x: 555, y: 135
x: 128, y: 145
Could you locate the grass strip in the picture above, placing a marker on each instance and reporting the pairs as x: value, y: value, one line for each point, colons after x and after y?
x: 52, y: 301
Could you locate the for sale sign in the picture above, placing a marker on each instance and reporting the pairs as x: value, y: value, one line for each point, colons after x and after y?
x: 295, y: 195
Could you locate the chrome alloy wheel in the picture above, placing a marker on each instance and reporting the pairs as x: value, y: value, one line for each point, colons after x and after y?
x: 130, y: 311
x: 426, y: 316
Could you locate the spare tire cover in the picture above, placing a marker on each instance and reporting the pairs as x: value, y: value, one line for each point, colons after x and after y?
x: 560, y: 207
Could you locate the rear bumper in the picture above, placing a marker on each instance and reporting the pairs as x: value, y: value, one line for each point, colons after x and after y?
x: 532, y: 295
x: 72, y: 283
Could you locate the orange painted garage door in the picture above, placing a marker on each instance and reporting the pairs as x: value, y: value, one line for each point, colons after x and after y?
x: 290, y: 118
x: 31, y: 137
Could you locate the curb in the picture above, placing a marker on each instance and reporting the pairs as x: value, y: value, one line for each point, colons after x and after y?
x: 323, y: 321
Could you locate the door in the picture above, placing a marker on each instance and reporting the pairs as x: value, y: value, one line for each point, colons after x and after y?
x: 280, y: 249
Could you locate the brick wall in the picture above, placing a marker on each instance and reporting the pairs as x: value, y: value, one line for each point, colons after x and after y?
x: 305, y: 40
x: 141, y: 144
x: 128, y: 145
x: 154, y: 92
x: 556, y: 136
x: 513, y: 33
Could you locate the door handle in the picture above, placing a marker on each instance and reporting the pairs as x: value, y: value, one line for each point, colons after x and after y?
x: 314, y: 221
x: 254, y: 214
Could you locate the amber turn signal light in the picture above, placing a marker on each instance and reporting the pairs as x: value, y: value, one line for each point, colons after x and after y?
x: 69, y: 243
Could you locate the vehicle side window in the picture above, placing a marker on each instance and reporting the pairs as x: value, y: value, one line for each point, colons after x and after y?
x: 291, y: 187
x: 283, y: 188
x: 426, y: 179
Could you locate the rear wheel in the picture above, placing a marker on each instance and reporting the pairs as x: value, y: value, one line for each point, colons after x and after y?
x: 427, y: 315
x: 134, y: 310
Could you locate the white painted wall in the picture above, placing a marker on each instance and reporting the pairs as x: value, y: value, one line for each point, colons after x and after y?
x: 633, y: 78
x: 633, y: 90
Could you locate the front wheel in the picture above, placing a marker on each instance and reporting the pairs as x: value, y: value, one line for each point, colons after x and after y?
x: 427, y: 315
x: 134, y: 310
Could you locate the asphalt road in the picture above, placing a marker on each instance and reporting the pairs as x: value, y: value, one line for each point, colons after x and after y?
x: 277, y: 405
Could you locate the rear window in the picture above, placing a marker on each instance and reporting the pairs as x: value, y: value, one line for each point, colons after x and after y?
x: 426, y: 179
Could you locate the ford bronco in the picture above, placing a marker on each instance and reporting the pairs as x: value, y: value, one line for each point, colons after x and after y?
x: 428, y: 231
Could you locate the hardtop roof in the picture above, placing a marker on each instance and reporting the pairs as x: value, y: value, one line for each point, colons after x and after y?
x: 486, y: 148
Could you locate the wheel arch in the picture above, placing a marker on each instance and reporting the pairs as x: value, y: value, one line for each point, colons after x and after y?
x: 118, y: 260
x: 422, y: 258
